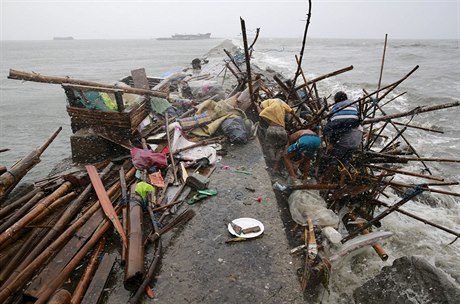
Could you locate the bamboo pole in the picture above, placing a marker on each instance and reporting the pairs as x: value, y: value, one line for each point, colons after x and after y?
x: 148, y: 277
x: 68, y: 269
x: 22, y: 211
x: 314, y: 187
x: 11, y: 178
x: 22, y: 277
x: 62, y: 222
x: 443, y: 160
x: 325, y: 76
x: 389, y: 88
x: 134, y: 269
x: 171, y: 156
x: 304, y: 40
x: 457, y: 234
x: 124, y: 211
x: 406, y: 173
x: 55, y: 205
x: 415, y: 111
x: 41, y: 206
x: 377, y: 247
x: 20, y: 75
x: 15, y: 204
x: 27, y: 245
x: 396, y: 184
x: 382, y: 215
x: 420, y: 128
x: 248, y: 60
x: 61, y: 296
x: 85, y: 279
x: 378, y: 88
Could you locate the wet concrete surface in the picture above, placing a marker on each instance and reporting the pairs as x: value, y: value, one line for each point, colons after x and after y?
x: 197, y: 266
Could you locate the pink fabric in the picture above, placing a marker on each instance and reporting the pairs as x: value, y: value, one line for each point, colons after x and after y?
x: 144, y: 159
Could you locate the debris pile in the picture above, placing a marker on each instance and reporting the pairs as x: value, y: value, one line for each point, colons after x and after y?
x: 153, y: 145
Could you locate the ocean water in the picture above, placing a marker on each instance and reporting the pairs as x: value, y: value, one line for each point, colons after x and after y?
x: 30, y: 112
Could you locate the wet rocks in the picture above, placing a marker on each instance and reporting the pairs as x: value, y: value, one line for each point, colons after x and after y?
x: 409, y: 280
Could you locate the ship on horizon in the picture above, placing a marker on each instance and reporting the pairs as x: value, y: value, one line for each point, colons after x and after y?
x: 63, y: 38
x: 187, y: 37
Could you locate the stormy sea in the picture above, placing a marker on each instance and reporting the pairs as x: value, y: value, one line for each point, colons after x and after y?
x: 30, y: 112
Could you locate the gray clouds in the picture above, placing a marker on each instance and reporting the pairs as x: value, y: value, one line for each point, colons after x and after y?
x: 37, y: 20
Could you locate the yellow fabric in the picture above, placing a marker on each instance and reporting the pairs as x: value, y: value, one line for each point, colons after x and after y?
x: 274, y: 110
x: 218, y: 111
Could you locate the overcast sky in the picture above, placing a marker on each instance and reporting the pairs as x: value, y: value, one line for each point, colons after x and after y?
x: 144, y: 19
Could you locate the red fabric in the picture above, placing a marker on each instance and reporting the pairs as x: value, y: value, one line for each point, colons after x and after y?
x: 144, y: 159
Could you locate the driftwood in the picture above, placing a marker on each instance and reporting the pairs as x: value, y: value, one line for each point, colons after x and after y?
x: 19, y: 75
x: 11, y: 178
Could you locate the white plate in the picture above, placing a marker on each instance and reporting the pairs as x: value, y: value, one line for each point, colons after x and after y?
x: 246, y: 222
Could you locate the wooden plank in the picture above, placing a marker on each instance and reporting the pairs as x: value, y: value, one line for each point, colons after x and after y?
x: 140, y: 79
x: 105, y: 202
x: 99, y: 281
